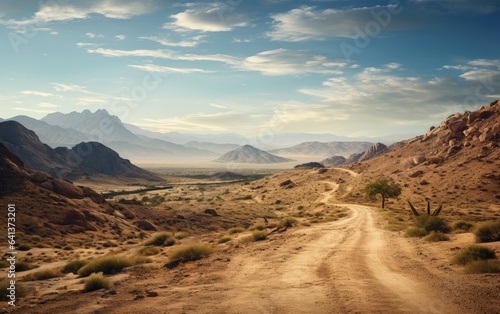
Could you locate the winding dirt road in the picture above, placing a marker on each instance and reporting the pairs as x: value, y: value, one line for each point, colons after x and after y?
x: 339, y: 267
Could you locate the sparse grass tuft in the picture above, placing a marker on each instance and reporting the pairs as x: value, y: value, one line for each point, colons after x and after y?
x: 162, y: 238
x: 224, y: 240
x: 488, y: 231
x: 258, y: 226
x: 463, y: 225
x: 96, y: 281
x: 414, y: 232
x: 181, y: 235
x: 190, y: 252
x: 236, y: 230
x: 73, y: 267
x: 149, y: 250
x: 289, y: 222
x: 43, y: 275
x: 21, y: 290
x: 436, y: 236
x: 483, y: 266
x: 473, y: 253
x: 259, y: 235
x: 106, y: 264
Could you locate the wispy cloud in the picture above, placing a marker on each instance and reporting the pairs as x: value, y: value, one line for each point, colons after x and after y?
x: 37, y: 93
x: 195, y: 41
x: 163, y: 54
x: 208, y: 17
x: 120, y: 37
x: 60, y: 87
x: 164, y: 69
x: 52, y: 11
x: 32, y: 110
x: 47, y: 105
x: 290, y: 62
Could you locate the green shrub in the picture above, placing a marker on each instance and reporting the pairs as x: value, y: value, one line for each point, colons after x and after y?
x: 190, y: 252
x: 73, y: 266
x: 483, y: 266
x: 432, y: 223
x: 488, y: 231
x: 43, y: 275
x: 162, y: 238
x: 236, y: 230
x: 24, y: 247
x: 463, y: 225
x: 224, y: 240
x: 436, y: 236
x: 106, y: 264
x: 473, y: 253
x: 23, y: 266
x: 149, y: 250
x: 21, y: 290
x: 181, y: 235
x: 96, y: 281
x: 414, y: 232
x: 259, y: 235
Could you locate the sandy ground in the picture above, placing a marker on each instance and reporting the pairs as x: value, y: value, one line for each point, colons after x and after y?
x: 347, y: 266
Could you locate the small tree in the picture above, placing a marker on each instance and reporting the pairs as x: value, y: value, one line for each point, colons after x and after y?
x: 386, y: 187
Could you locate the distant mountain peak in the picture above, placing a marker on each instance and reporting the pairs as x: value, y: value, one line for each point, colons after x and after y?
x: 250, y: 154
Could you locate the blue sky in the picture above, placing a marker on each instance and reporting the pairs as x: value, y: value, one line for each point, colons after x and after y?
x: 345, y: 67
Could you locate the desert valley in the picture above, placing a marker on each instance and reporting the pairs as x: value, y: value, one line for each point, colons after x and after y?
x: 249, y: 157
x: 95, y: 233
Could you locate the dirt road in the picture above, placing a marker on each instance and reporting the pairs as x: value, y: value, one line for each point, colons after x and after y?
x: 346, y: 266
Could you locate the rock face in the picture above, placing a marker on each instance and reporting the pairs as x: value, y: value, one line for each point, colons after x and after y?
x: 250, y: 154
x: 374, y: 150
x: 334, y: 161
x: 85, y: 159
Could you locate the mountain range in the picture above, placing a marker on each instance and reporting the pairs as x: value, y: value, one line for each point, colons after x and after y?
x: 84, y: 159
x: 131, y: 142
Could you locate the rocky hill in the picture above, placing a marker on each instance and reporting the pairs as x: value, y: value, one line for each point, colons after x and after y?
x: 250, y: 154
x: 372, y: 151
x: 85, y: 159
x: 324, y: 148
x: 456, y: 162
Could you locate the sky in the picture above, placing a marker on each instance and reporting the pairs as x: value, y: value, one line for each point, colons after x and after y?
x: 352, y: 68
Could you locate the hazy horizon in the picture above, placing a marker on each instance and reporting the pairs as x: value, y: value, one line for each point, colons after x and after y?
x: 350, y: 69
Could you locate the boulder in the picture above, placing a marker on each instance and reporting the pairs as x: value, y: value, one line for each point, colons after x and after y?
x: 145, y: 225
x: 288, y: 184
x: 211, y: 212
x: 67, y: 189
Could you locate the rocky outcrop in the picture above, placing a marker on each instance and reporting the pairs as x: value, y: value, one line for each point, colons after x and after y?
x: 334, y: 161
x: 374, y: 150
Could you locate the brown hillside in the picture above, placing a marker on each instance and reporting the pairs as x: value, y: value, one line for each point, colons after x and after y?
x: 456, y: 163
